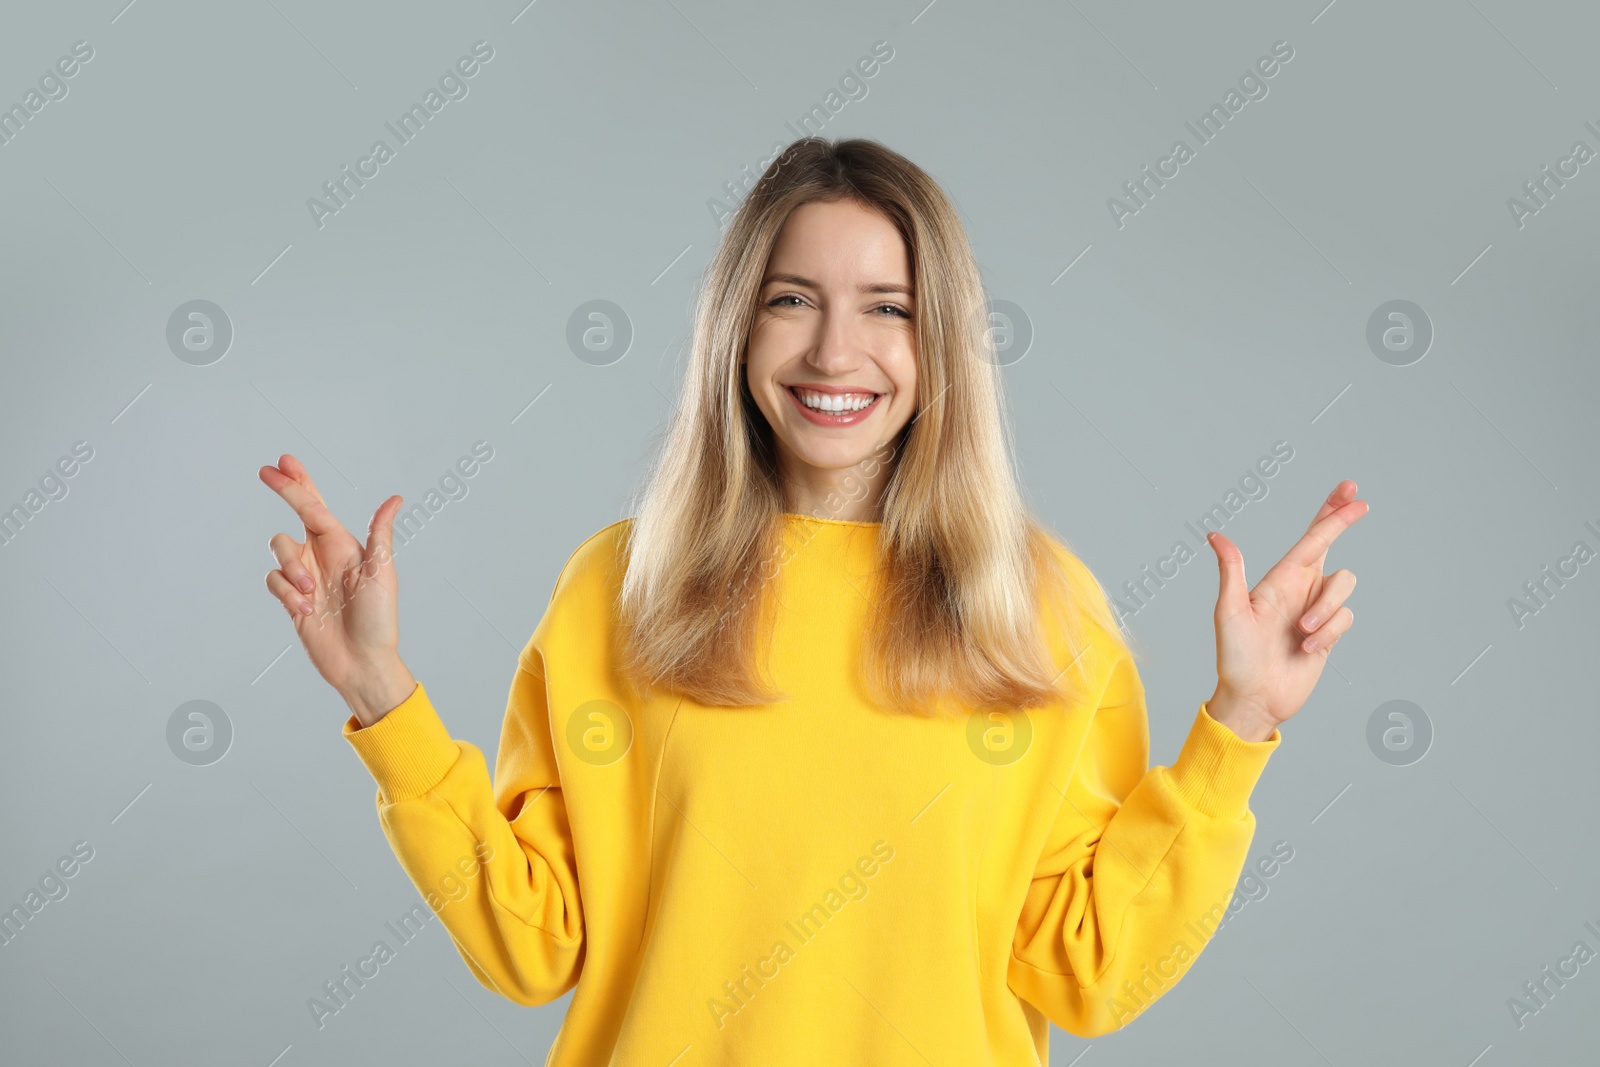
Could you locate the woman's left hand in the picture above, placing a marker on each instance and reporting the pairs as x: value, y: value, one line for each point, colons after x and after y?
x: 1273, y: 640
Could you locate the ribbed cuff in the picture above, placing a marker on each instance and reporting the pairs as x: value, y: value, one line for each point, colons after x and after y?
x: 1217, y: 769
x: 408, y: 751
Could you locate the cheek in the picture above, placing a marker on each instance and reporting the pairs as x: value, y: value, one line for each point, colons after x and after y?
x: 762, y: 355
x: 905, y: 380
x: 907, y: 409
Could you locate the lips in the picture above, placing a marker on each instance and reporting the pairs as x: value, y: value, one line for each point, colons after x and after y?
x: 827, y: 418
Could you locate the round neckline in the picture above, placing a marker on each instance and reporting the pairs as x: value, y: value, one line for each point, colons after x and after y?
x: 793, y: 516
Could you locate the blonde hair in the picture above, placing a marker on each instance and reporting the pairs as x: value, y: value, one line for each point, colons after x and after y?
x: 966, y: 568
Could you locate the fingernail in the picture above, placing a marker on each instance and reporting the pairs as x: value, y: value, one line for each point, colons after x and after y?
x: 304, y: 584
x: 1308, y: 622
x: 1310, y: 644
x: 305, y: 608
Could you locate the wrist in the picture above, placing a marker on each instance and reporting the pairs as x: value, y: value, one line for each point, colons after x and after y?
x: 378, y: 690
x: 1248, y: 721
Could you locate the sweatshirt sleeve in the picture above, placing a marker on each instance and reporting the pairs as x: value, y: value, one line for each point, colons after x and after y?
x: 1139, y: 866
x: 494, y: 863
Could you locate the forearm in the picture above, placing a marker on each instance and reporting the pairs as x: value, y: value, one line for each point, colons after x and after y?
x: 1123, y: 884
x: 1131, y: 913
x: 512, y: 906
x: 507, y: 891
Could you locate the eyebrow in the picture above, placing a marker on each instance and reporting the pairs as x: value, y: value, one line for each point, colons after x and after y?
x: 869, y: 287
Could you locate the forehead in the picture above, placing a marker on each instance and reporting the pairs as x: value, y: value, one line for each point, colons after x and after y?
x: 840, y: 242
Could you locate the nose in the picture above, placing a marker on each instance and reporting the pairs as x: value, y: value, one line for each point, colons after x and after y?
x: 838, y: 348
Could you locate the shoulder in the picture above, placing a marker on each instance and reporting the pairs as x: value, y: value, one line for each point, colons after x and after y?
x: 1083, y: 586
x: 586, y: 588
x: 1077, y: 571
x: 1089, y: 617
x: 600, y: 557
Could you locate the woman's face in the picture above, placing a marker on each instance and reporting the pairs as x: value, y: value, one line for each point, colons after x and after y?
x: 832, y: 356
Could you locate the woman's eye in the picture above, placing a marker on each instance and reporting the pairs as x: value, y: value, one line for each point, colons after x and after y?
x: 778, y: 301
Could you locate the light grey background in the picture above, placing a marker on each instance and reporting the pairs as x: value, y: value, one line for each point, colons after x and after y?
x: 1228, y: 314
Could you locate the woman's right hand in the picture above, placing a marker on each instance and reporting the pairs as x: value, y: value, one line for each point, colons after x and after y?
x: 342, y: 597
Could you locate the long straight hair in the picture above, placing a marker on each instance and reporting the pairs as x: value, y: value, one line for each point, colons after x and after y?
x: 967, y: 573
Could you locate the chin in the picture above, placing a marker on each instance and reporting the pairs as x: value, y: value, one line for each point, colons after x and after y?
x: 833, y: 455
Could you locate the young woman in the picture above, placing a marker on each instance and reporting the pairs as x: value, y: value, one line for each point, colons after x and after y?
x: 832, y: 753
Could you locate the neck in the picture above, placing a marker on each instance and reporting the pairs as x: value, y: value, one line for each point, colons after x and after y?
x: 853, y: 493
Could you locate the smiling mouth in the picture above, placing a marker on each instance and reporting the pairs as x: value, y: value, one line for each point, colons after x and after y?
x: 834, y: 409
x: 834, y: 403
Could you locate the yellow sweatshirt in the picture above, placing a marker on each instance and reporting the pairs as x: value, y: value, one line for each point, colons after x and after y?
x: 814, y: 881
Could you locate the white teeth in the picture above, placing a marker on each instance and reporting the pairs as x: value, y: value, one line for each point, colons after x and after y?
x: 834, y: 404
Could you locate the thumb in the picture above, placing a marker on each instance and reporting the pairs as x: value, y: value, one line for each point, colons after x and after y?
x: 1233, y: 593
x: 380, y: 535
